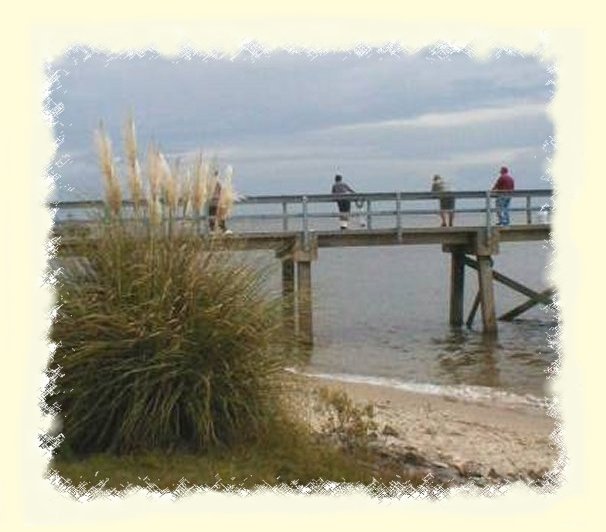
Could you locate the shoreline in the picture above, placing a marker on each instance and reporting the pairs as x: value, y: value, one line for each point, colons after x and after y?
x: 459, y: 392
x: 476, y: 438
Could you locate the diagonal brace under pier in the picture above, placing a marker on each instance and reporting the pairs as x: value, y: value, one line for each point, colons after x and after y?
x: 542, y: 297
x: 516, y: 311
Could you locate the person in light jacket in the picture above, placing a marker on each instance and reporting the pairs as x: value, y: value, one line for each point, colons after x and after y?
x: 447, y: 201
x: 214, y: 216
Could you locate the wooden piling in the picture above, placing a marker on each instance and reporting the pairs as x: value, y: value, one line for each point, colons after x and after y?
x: 304, y: 302
x: 288, y: 277
x: 296, y: 256
x: 288, y: 290
x: 485, y: 282
x: 457, y: 287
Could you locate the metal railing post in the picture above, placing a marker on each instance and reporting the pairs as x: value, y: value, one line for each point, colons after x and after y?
x: 528, y: 210
x: 368, y: 215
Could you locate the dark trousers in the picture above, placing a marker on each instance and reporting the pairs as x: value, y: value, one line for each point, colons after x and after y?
x: 344, y: 206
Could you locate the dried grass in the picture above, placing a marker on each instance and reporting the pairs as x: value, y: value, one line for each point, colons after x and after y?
x: 172, y: 344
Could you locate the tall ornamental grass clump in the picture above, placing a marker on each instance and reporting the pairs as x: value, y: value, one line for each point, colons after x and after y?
x: 172, y: 344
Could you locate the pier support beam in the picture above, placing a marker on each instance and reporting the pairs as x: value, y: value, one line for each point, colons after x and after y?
x: 304, y: 302
x: 544, y: 297
x: 457, y: 286
x: 485, y: 282
x: 296, y: 258
x: 288, y: 277
x: 288, y: 292
x: 483, y: 245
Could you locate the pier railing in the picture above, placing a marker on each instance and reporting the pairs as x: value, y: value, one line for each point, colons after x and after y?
x: 295, y: 226
x: 289, y: 213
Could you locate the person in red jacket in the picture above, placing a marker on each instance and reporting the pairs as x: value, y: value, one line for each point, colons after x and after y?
x: 503, y: 184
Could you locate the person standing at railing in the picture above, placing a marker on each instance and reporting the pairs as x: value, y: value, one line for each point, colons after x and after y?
x: 213, y: 206
x: 340, y: 187
x: 503, y: 184
x: 447, y: 201
x: 220, y: 202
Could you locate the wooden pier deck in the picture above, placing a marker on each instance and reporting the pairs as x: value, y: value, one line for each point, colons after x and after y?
x: 464, y: 235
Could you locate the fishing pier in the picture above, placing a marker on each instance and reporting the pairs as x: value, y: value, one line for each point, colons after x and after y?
x: 295, y: 227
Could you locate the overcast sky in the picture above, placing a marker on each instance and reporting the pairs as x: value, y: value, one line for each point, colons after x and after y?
x: 287, y: 122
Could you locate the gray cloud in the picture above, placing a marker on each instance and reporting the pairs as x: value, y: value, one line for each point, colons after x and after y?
x: 285, y: 122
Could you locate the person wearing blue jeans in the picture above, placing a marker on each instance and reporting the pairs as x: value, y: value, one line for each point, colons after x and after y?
x: 503, y: 184
x: 502, y: 204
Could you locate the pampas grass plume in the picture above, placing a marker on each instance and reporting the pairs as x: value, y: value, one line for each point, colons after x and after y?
x: 199, y: 192
x: 154, y: 173
x: 113, y: 193
x: 134, y: 170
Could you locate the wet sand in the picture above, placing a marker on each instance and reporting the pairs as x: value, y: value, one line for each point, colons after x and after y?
x: 489, y: 438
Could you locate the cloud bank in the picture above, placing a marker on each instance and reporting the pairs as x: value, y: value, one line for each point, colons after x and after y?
x: 287, y: 122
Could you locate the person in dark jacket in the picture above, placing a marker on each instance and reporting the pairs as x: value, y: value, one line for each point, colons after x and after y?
x: 503, y: 184
x: 340, y: 187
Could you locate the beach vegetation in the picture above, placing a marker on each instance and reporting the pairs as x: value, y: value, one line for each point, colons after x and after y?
x: 173, y: 343
x: 350, y: 425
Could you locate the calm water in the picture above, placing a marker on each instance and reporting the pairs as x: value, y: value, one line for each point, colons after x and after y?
x: 381, y: 315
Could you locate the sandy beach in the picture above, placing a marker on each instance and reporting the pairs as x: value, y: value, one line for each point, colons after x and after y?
x: 476, y: 438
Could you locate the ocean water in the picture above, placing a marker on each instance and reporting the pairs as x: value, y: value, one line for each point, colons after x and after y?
x: 381, y: 316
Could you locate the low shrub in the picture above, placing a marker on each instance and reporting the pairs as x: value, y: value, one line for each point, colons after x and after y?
x: 351, y: 426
